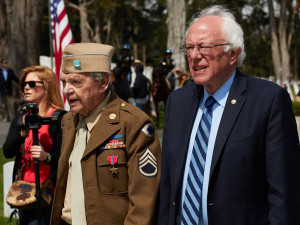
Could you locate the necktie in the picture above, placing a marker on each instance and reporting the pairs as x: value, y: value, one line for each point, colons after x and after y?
x: 77, y: 194
x: 193, y: 193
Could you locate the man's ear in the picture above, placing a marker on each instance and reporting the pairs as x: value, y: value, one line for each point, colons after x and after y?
x: 104, y: 83
x: 234, y: 54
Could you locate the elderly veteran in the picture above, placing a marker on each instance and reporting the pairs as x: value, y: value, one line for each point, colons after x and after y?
x: 109, y: 169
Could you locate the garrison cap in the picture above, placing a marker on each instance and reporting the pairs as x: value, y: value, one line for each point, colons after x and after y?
x: 87, y: 57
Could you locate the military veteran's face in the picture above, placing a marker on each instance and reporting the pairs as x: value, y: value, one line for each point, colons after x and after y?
x: 83, y: 92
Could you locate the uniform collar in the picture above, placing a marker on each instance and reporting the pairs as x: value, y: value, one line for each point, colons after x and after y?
x: 93, y: 118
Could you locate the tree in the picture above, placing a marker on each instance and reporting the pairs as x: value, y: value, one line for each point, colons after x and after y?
x: 19, y: 32
x: 281, y: 39
x: 176, y: 26
x: 86, y: 31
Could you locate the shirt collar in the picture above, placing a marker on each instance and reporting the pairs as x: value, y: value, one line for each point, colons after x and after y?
x: 221, y: 94
x: 93, y: 118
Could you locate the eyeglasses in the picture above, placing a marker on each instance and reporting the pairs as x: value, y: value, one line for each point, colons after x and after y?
x: 204, y: 48
x: 31, y: 84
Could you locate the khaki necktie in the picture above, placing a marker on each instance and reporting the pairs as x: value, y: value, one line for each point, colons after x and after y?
x: 77, y: 194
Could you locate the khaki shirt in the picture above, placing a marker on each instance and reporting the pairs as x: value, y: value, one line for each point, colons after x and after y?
x: 90, y: 120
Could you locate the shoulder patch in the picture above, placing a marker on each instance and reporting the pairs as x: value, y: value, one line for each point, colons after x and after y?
x: 148, y: 130
x: 148, y: 164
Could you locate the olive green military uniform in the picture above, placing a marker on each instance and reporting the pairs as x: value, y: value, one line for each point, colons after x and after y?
x: 120, y: 167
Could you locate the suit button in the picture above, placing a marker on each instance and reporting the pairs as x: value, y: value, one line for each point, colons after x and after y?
x: 173, y: 203
x: 211, y: 203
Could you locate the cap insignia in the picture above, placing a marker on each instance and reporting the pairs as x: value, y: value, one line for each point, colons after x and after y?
x: 77, y: 64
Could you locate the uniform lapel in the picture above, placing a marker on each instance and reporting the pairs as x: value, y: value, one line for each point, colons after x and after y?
x: 234, y: 104
x: 186, y: 127
x: 69, y: 133
x: 107, y: 125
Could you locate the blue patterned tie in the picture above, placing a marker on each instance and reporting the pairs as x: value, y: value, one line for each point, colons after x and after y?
x: 193, y: 193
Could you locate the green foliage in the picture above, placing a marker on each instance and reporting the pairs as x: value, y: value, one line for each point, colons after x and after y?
x: 143, y: 22
x: 161, y: 116
x: 296, y: 108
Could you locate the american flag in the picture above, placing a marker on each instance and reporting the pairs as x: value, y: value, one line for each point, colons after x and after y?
x: 61, y: 32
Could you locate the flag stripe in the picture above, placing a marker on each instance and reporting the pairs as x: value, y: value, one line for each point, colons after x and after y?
x: 61, y: 35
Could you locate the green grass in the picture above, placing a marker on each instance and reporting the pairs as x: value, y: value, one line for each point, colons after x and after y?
x: 3, y: 160
x: 161, y: 116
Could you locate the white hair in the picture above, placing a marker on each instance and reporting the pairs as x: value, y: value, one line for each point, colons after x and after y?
x: 98, y: 76
x: 232, y: 31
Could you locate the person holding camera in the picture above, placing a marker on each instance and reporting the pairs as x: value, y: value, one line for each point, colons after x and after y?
x: 38, y: 85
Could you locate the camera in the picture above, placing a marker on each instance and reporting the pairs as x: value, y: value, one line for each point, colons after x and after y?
x: 32, y: 119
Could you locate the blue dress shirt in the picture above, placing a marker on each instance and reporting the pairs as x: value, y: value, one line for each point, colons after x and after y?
x: 220, y: 96
x: 4, y: 71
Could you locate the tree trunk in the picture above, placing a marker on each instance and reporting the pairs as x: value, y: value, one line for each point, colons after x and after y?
x: 84, y: 31
x: 4, y: 31
x: 285, y: 57
x: 176, y: 29
x: 97, y: 15
x: 274, y: 46
x: 22, y: 21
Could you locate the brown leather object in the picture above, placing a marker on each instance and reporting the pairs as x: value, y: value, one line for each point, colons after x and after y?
x: 21, y: 194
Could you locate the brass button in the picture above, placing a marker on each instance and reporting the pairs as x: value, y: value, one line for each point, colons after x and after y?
x: 123, y: 104
x: 233, y: 101
x: 112, y: 116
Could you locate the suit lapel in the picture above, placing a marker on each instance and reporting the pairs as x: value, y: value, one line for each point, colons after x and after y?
x: 234, y: 104
x: 106, y: 125
x: 191, y: 108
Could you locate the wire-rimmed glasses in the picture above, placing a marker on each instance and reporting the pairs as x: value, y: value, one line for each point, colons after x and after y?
x: 204, y: 48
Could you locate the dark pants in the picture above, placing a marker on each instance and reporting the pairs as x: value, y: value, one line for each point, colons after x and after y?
x: 29, y: 216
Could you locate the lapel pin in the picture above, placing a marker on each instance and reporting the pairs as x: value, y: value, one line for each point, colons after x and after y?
x: 233, y: 101
x: 77, y: 64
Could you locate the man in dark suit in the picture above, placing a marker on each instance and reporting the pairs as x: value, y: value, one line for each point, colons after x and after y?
x: 7, y: 75
x: 230, y: 150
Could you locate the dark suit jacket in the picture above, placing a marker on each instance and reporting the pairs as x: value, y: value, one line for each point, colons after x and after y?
x: 254, y: 177
x: 8, y: 83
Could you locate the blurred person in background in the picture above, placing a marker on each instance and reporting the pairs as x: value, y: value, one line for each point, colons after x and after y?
x: 7, y: 75
x: 126, y: 60
x: 120, y: 84
x: 140, y: 88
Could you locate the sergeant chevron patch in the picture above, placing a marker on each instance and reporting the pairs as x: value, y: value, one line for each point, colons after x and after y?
x: 148, y: 164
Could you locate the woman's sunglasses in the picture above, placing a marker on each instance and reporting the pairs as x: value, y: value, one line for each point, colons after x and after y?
x: 31, y: 84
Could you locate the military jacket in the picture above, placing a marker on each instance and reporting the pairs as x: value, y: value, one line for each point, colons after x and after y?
x: 120, y: 167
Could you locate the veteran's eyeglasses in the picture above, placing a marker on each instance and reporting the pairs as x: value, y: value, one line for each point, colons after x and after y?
x: 204, y: 48
x: 31, y: 84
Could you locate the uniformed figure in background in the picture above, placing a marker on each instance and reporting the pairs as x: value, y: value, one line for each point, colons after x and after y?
x: 109, y: 169
x: 167, y: 62
x: 126, y: 60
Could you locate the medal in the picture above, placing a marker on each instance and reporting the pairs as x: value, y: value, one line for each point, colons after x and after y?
x: 113, y: 159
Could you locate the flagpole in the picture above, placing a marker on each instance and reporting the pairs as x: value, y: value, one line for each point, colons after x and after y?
x: 50, y: 35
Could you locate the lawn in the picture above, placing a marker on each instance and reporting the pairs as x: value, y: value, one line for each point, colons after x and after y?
x: 3, y: 160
